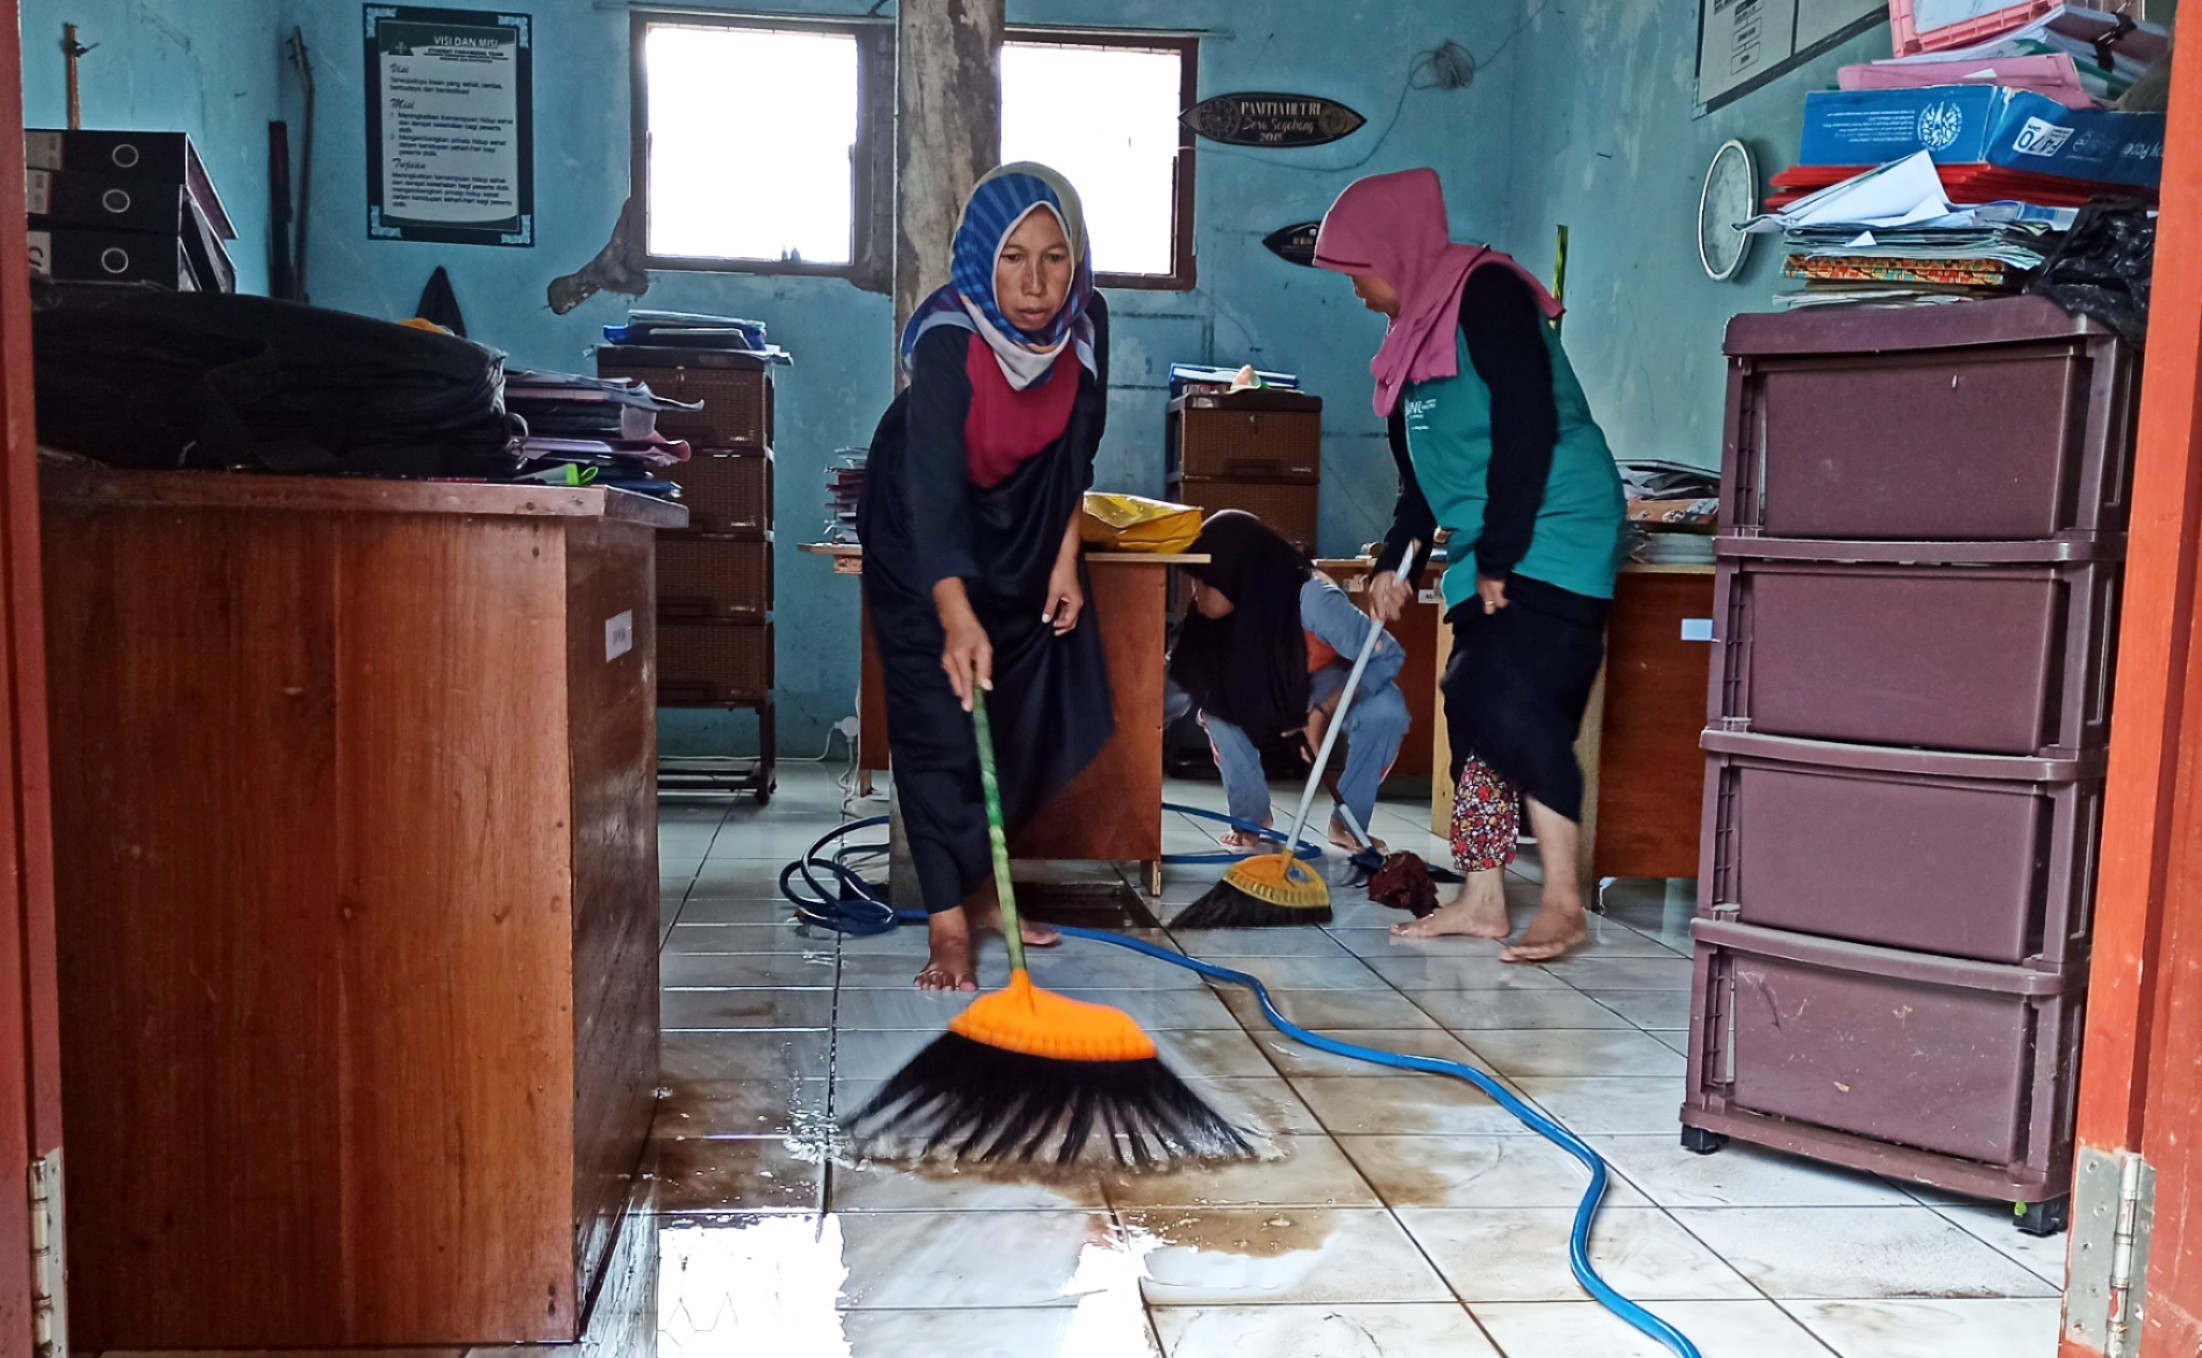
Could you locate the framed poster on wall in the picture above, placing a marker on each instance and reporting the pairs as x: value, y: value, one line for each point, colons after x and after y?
x: 1743, y: 44
x: 450, y: 126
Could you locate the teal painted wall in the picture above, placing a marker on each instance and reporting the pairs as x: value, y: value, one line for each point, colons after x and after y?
x: 1605, y: 139
x: 213, y: 68
x: 1249, y: 307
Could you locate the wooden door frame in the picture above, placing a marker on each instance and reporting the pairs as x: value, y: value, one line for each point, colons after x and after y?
x: 30, y: 1076
x: 2150, y: 885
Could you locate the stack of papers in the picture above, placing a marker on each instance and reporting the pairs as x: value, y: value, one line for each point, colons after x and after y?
x: 844, y: 487
x: 1890, y: 237
x: 694, y: 330
x: 1200, y: 377
x: 605, y: 426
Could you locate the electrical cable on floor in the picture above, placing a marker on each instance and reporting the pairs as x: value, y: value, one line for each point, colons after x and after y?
x: 855, y: 908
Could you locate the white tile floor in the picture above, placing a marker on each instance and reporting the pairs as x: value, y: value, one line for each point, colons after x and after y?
x: 1411, y: 1218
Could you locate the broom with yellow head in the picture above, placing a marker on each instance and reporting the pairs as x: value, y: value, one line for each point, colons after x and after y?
x: 1023, y: 1074
x: 1280, y: 889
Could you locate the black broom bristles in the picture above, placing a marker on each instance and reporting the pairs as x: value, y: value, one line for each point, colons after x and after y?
x: 972, y: 1102
x: 1224, y: 906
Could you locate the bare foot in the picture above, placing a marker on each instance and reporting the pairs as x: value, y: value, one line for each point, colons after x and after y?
x: 949, y: 967
x: 986, y: 918
x: 1343, y: 838
x: 1558, y: 929
x: 1479, y: 911
x: 1246, y: 841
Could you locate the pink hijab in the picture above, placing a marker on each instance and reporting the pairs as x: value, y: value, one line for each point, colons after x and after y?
x: 1393, y: 226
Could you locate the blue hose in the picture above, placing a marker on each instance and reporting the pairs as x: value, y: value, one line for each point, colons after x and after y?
x: 857, y: 910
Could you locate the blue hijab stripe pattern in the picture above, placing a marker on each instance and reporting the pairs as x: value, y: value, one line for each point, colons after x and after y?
x: 1001, y: 201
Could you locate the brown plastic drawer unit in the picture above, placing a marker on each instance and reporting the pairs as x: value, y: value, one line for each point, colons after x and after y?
x: 737, y: 400
x: 1902, y: 645
x: 1290, y: 508
x: 713, y: 578
x: 1249, y: 436
x: 705, y: 664
x: 729, y: 494
x: 1959, y: 1074
x: 2002, y: 420
x: 1982, y: 857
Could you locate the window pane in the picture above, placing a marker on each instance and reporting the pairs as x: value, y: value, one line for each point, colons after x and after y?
x: 1107, y: 117
x: 751, y: 136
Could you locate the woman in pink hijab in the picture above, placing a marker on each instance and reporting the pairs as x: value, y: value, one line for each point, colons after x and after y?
x: 1495, y: 444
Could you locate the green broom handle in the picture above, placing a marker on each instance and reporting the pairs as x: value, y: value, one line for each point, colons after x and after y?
x: 996, y: 840
x: 1345, y: 700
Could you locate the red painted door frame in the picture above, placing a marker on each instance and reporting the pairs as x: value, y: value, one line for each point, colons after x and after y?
x: 2141, y: 1082
x: 30, y: 1077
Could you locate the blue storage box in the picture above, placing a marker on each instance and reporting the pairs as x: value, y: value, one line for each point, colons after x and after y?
x: 1983, y: 124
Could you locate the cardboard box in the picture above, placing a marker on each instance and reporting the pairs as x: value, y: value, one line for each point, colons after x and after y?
x: 166, y: 157
x: 1984, y: 125
x: 84, y: 253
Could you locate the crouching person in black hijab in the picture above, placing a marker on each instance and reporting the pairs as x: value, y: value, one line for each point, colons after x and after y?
x: 1264, y: 655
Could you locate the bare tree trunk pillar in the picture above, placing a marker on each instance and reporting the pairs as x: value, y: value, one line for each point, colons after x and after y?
x: 948, y: 131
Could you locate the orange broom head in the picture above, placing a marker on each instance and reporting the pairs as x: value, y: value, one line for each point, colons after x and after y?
x: 1280, y: 880
x: 1033, y: 1022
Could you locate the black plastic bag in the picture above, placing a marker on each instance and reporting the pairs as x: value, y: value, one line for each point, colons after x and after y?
x: 141, y: 377
x: 2102, y: 269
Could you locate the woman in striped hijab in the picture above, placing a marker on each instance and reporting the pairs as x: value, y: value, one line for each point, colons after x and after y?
x: 972, y: 573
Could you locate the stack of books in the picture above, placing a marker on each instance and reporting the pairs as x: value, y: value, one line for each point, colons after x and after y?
x: 844, y: 487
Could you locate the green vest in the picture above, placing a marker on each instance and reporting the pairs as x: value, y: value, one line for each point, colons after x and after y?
x: 1578, y: 544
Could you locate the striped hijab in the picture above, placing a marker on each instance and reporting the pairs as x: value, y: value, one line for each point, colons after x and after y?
x: 1002, y: 200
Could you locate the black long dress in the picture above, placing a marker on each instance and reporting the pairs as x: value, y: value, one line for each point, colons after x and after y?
x: 922, y: 521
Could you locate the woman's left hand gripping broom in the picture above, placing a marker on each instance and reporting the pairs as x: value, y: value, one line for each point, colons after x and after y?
x: 1025, y: 1074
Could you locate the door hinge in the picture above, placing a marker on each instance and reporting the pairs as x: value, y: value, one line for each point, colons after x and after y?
x: 49, y: 1260
x: 2113, y: 1215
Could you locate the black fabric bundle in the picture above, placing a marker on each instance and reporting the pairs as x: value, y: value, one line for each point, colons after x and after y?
x: 146, y: 378
x: 1250, y: 667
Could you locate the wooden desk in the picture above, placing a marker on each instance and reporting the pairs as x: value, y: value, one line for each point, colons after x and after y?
x: 1643, y: 773
x: 1112, y: 811
x: 356, y: 881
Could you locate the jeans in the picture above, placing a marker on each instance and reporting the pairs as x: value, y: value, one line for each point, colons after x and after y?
x: 1375, y: 724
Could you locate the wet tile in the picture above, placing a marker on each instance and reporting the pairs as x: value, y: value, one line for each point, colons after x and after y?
x: 1615, y: 1107
x: 717, y: 1010
x: 777, y: 938
x: 1739, y: 1176
x: 878, y: 1055
x: 1339, y: 972
x: 884, y: 971
x: 1211, y: 1054
x: 1515, y: 1009
x: 898, y: 1010
x: 1590, y: 972
x: 1992, y: 1225
x: 1225, y: 944
x: 1574, y: 1054
x: 1934, y: 1329
x: 774, y: 1108
x: 943, y: 1187
x: 1720, y: 1329
x: 1475, y: 1171
x: 1312, y: 1173
x: 1163, y: 1010
x: 1521, y: 1255
x: 723, y: 910
x: 1403, y: 1105
x: 913, y: 1260
x: 1655, y: 1009
x: 746, y: 1283
x: 1858, y: 1253
x: 1097, y: 966
x: 1296, y: 1059
x: 1330, y: 1009
x: 1415, y: 1330
x: 1461, y: 973
x: 702, y: 1174
x: 726, y: 971
x: 1375, y: 941
x: 1085, y: 1331
x: 1274, y: 1255
x: 1261, y: 1104
x: 771, y: 1056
